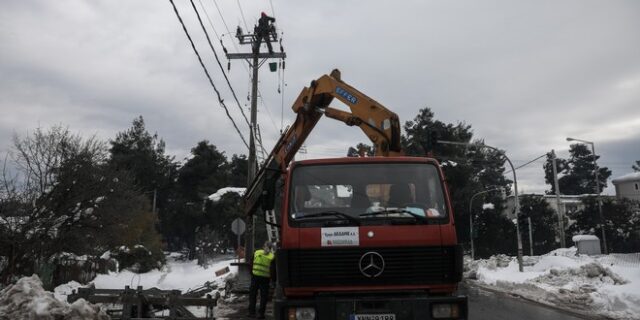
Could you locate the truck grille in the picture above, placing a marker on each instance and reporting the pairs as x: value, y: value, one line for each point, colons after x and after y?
x: 341, y: 266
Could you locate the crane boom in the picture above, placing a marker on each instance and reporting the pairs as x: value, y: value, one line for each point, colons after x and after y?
x: 378, y: 123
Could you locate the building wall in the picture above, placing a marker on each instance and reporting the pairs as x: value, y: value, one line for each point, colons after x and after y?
x: 628, y: 189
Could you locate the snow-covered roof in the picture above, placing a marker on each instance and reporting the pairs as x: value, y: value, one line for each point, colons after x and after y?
x: 583, y: 237
x: 629, y: 177
x: 218, y: 195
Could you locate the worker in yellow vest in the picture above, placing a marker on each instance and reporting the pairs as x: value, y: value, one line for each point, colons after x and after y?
x: 261, y: 275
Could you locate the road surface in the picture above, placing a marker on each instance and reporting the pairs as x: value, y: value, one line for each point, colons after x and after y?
x: 496, y: 306
x: 483, y: 305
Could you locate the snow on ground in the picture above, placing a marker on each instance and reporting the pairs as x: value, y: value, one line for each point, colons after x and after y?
x: 175, y: 275
x: 606, y: 285
x: 26, y: 299
x: 218, y: 195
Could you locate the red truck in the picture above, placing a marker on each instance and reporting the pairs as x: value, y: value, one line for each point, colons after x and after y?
x: 360, y: 238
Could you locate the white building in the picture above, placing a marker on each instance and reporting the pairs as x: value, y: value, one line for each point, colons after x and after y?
x: 628, y: 186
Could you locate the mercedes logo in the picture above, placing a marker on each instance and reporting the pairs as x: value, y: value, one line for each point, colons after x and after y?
x: 371, y: 264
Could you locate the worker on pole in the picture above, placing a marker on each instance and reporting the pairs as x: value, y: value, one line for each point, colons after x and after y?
x: 262, y: 31
x: 260, y: 279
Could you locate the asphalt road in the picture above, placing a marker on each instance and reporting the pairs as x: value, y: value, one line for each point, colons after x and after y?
x: 483, y: 305
x: 496, y: 306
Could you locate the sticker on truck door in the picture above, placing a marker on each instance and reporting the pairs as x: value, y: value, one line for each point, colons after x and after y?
x: 340, y: 236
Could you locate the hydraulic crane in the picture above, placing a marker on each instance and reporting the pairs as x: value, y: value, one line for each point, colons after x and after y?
x: 363, y: 238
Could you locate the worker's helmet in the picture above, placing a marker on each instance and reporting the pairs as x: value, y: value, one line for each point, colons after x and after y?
x: 263, y: 14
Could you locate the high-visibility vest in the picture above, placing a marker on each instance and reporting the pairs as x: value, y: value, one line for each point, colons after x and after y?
x: 262, y: 263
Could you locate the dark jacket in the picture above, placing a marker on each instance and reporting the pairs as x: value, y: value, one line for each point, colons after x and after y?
x: 263, y: 23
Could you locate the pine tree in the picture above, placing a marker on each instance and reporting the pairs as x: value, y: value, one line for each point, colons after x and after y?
x: 239, y: 166
x: 543, y: 222
x: 576, y: 175
x: 363, y: 148
x: 468, y: 170
x: 562, y: 167
x: 141, y: 155
x: 622, y: 219
x: 204, y: 173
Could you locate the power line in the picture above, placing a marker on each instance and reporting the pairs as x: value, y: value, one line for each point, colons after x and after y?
x: 242, y: 15
x: 273, y: 12
x: 268, y: 111
x: 219, y: 64
x: 206, y: 72
x: 210, y: 22
x: 528, y: 163
x: 222, y: 17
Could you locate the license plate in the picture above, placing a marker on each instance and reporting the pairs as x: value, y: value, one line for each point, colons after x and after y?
x: 373, y: 316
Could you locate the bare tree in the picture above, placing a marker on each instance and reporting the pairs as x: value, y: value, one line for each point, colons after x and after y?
x: 62, y: 197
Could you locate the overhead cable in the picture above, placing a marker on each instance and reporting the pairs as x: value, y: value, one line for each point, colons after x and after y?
x: 242, y: 15
x: 219, y: 64
x: 209, y: 19
x: 220, y: 100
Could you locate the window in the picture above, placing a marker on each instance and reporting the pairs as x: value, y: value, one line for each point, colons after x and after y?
x: 636, y: 186
x: 359, y: 190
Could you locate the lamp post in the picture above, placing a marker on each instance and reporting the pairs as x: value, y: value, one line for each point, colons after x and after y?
x: 473, y: 256
x: 597, y: 186
x: 515, y: 190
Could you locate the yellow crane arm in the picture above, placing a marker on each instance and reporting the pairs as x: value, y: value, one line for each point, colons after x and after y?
x: 380, y: 125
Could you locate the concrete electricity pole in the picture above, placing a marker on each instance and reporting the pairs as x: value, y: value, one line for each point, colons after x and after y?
x: 560, y: 210
x: 255, y: 60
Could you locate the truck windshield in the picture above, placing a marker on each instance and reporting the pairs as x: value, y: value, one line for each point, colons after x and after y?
x: 370, y: 193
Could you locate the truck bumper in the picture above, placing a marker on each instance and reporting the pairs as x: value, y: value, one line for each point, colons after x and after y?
x: 403, y: 307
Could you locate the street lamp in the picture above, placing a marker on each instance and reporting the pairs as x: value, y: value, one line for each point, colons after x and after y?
x: 515, y: 190
x: 473, y: 256
x: 597, y: 185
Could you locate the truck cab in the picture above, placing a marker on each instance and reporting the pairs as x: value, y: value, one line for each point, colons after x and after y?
x: 367, y: 238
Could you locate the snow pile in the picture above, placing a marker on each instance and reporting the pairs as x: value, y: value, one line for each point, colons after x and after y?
x: 606, y: 285
x: 62, y: 291
x: 218, y: 195
x: 488, y: 206
x: 28, y: 300
x: 175, y: 275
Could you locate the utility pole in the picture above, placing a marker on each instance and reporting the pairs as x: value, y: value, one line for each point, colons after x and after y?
x: 560, y: 210
x: 255, y: 60
x: 530, y: 237
x: 597, y: 186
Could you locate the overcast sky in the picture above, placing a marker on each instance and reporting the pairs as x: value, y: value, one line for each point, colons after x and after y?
x: 525, y: 75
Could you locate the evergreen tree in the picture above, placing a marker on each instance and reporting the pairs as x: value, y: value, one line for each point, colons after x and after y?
x: 495, y: 234
x: 562, y: 167
x: 543, y: 222
x: 622, y: 222
x: 204, y: 173
x: 365, y: 149
x: 577, y: 173
x: 239, y: 167
x: 142, y: 156
x: 468, y: 170
x: 636, y: 167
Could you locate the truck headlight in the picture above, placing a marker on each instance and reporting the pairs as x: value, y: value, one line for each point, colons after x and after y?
x: 445, y: 310
x: 302, y: 314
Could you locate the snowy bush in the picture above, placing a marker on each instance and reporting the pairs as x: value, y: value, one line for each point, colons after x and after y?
x: 138, y: 259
